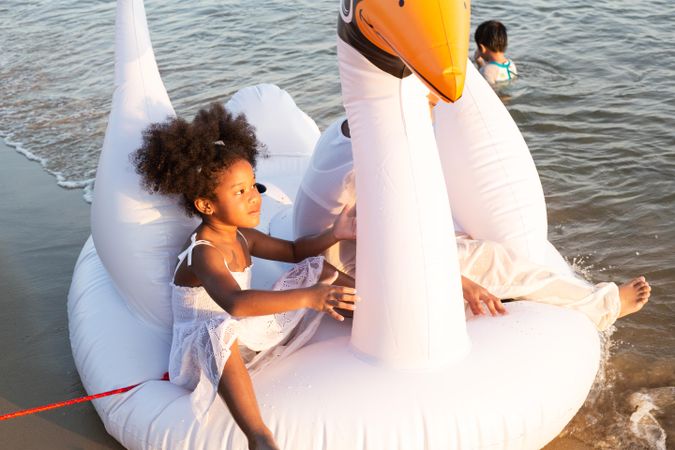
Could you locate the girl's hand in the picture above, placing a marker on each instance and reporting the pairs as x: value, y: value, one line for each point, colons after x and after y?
x: 325, y: 297
x: 474, y: 294
x: 344, y: 226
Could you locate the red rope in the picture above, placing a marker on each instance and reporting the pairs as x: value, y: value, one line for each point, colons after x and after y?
x: 87, y: 398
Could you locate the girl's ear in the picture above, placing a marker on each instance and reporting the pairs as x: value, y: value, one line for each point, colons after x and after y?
x: 204, y: 206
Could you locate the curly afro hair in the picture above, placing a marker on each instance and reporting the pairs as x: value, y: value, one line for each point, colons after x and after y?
x: 185, y: 159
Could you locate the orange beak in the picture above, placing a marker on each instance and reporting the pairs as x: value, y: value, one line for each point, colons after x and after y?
x: 430, y: 36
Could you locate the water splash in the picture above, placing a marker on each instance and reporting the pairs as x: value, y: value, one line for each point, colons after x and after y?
x: 643, y: 422
x: 581, y: 266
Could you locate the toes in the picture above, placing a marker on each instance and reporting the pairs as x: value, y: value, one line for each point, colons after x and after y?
x: 640, y: 283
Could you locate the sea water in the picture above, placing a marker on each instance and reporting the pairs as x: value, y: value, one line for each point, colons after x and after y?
x: 595, y: 101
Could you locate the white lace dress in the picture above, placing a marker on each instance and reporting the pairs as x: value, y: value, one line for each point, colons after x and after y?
x: 203, y: 332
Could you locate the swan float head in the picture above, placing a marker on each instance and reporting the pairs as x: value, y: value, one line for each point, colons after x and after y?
x: 430, y: 39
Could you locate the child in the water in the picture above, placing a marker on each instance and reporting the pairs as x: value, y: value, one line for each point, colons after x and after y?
x: 491, y: 43
x: 222, y: 328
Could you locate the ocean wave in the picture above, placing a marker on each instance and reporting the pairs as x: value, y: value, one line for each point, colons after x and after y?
x: 74, y: 184
x: 19, y: 147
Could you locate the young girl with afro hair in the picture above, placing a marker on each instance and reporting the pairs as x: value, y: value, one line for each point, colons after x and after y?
x: 222, y: 328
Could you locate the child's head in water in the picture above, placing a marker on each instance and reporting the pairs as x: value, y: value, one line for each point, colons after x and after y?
x: 491, y: 36
x: 492, y: 63
x: 209, y: 163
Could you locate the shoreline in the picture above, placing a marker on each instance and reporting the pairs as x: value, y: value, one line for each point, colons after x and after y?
x: 42, y: 228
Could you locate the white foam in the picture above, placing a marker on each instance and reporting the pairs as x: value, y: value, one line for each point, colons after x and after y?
x: 643, y: 423
x: 581, y: 266
x: 89, y: 191
x: 73, y: 184
x: 602, y: 382
x: 24, y: 151
x: 86, y: 185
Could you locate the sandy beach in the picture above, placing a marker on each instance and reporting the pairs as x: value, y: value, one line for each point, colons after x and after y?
x: 42, y: 227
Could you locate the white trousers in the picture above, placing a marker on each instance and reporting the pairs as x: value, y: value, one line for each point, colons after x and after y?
x: 506, y: 276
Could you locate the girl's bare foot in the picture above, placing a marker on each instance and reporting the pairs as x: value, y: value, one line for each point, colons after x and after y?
x: 633, y: 294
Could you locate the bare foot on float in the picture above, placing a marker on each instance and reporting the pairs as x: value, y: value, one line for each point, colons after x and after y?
x: 633, y: 294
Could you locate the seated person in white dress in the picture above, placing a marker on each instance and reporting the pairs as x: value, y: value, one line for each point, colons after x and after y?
x: 223, y: 328
x: 489, y: 271
x: 491, y: 42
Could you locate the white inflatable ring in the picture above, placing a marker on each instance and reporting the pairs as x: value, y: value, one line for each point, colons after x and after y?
x: 524, y: 376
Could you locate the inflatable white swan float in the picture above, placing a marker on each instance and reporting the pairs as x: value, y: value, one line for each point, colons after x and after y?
x: 412, y: 373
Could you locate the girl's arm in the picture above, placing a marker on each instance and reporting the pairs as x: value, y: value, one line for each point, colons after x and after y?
x: 209, y: 269
x: 268, y: 247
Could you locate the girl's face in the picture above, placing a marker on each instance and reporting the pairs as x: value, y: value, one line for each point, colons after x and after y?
x: 237, y: 198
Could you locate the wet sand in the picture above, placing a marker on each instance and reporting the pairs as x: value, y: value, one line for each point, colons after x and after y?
x: 42, y: 228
